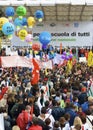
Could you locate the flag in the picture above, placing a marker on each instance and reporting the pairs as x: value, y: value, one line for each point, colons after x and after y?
x: 4, y: 90
x: 90, y: 58
x: 35, y: 72
x: 69, y: 66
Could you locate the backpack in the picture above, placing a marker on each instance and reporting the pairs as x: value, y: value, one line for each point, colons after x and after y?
x: 85, y: 106
x: 21, y: 122
x: 36, y: 110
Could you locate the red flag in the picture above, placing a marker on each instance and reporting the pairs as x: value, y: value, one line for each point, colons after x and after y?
x: 60, y: 48
x: 4, y: 90
x: 35, y: 72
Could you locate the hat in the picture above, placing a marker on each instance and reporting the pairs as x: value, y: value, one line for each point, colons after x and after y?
x: 57, y: 99
x: 15, y: 127
x: 90, y: 99
x: 83, y: 89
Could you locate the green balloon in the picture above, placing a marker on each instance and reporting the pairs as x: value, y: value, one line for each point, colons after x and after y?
x: 21, y: 11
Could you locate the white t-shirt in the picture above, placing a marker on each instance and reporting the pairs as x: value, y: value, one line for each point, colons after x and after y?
x: 86, y: 127
x: 88, y: 122
x: 50, y: 117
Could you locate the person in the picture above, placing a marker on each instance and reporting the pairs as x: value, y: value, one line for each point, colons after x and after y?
x: 67, y: 118
x: 44, y: 115
x: 57, y: 111
x: 69, y: 109
x: 77, y: 120
x: 56, y: 126
x: 24, y: 118
x: 48, y: 109
x: 89, y: 118
x: 83, y: 96
x: 85, y: 125
x: 35, y: 125
x: 15, y: 127
x: 47, y: 124
x: 77, y: 127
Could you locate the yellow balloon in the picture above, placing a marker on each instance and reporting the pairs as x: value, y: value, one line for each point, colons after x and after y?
x: 36, y: 52
x: 3, y: 20
x: 22, y: 34
x: 30, y: 51
x: 31, y: 22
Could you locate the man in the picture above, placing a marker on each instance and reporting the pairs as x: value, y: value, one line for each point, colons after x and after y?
x: 24, y: 118
x: 35, y: 125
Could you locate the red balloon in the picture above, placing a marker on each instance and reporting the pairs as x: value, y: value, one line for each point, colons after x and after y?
x: 36, y: 46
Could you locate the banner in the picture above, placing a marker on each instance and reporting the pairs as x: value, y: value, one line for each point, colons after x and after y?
x: 67, y: 33
x: 19, y: 61
x: 82, y: 59
x: 16, y: 61
x: 1, y: 122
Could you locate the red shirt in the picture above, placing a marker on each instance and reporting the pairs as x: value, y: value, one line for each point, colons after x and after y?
x: 35, y: 127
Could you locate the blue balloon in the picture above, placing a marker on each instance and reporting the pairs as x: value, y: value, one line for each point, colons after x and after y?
x: 45, y: 38
x: 39, y: 14
x: 9, y: 11
x: 24, y: 22
x: 18, y: 22
x: 8, y: 28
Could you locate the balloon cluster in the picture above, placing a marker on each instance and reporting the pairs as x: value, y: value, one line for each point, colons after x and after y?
x: 23, y: 24
x: 6, y: 28
x: 67, y: 56
x: 7, y: 25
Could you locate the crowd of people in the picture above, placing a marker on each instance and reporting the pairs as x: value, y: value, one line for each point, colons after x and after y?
x: 77, y: 51
x: 60, y: 101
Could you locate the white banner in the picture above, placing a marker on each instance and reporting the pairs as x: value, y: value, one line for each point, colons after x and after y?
x: 68, y: 33
x: 18, y: 61
x: 15, y: 61
x: 1, y: 122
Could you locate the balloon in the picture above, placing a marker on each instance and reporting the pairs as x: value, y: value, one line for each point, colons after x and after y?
x: 64, y: 53
x: 9, y: 11
x: 36, y: 52
x: 39, y: 15
x: 29, y: 38
x: 24, y: 22
x: 45, y: 38
x: 36, y: 46
x: 44, y: 46
x: 63, y: 57
x: 31, y: 22
x: 8, y: 28
x: 67, y: 57
x: 71, y: 55
x: 21, y: 11
x: 22, y: 34
x: 18, y: 22
x: 3, y: 20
